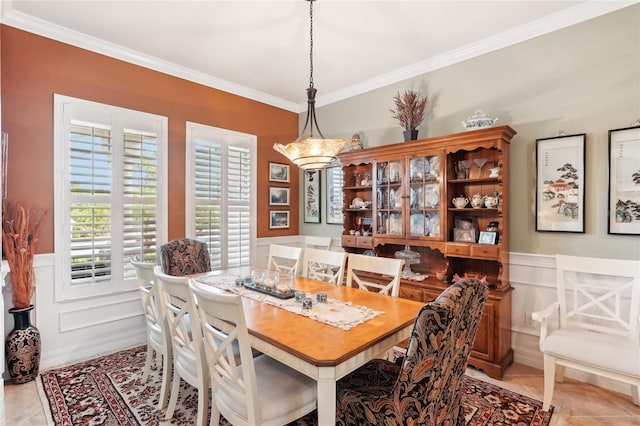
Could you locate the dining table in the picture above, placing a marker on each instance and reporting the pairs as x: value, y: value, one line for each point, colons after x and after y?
x: 323, y: 351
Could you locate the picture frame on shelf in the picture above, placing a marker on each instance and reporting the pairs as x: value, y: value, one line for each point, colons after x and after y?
x: 334, y: 196
x: 312, y: 206
x: 487, y: 237
x: 624, y: 181
x: 466, y: 235
x: 278, y: 219
x: 466, y: 222
x: 278, y: 172
x: 560, y: 183
x: 278, y: 196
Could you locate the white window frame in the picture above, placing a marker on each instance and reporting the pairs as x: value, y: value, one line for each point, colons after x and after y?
x: 66, y: 109
x: 227, y: 138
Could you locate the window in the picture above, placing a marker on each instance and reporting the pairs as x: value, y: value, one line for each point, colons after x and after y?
x: 220, y: 194
x: 110, y: 192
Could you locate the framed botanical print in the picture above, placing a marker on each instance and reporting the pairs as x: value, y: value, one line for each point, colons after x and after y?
x: 624, y: 181
x: 335, y: 199
x: 311, y: 200
x: 560, y: 183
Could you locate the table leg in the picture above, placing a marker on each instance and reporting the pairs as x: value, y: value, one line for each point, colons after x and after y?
x: 327, y: 396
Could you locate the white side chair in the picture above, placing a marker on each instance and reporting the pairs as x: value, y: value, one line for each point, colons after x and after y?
x: 386, y: 272
x: 595, y: 327
x: 258, y: 391
x: 189, y: 362
x: 157, y: 340
x: 284, y: 258
x: 321, y: 243
x: 324, y: 265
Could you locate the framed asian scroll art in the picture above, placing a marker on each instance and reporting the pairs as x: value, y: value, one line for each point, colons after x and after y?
x: 624, y: 181
x: 560, y: 183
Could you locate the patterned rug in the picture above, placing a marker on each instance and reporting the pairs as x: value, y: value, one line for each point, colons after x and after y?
x: 106, y: 391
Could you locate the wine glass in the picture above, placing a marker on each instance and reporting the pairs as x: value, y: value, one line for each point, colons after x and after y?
x: 480, y: 162
x: 466, y: 165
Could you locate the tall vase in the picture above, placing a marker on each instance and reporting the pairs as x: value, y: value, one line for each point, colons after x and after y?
x: 22, y: 347
x: 410, y: 135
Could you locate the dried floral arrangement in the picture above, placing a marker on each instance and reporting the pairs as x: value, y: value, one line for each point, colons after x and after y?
x: 21, y: 225
x: 409, y: 109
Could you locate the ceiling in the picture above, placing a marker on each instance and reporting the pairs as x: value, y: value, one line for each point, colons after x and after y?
x: 260, y: 49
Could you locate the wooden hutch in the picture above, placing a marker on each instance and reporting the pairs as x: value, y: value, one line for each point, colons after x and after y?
x: 402, y: 194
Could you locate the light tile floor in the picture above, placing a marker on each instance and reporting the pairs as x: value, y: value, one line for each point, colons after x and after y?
x: 576, y: 403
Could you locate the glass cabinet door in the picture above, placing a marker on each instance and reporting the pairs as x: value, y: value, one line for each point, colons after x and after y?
x: 424, y: 196
x: 389, y: 198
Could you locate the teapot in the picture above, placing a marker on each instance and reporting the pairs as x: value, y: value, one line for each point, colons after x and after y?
x: 494, y: 172
x: 476, y: 201
x: 490, y: 201
x: 460, y: 201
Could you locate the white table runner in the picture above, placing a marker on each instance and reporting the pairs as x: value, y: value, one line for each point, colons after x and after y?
x: 343, y: 315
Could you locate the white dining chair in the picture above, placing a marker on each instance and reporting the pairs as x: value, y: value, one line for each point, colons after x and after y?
x: 284, y: 258
x: 381, y: 274
x: 321, y: 243
x: 258, y: 391
x: 189, y: 363
x: 158, y: 341
x: 324, y: 265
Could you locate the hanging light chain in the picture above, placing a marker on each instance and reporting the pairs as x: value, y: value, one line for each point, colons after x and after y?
x: 311, y: 42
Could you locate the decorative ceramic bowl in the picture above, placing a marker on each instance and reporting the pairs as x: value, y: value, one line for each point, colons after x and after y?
x: 479, y: 120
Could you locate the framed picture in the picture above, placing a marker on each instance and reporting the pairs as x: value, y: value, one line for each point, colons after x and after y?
x: 464, y: 235
x: 624, y: 181
x: 278, y: 172
x: 560, y: 183
x: 487, y: 237
x: 466, y: 222
x: 335, y: 199
x: 278, y: 196
x: 311, y: 198
x: 278, y: 219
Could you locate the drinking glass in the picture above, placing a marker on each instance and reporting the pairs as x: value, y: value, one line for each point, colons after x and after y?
x: 480, y: 162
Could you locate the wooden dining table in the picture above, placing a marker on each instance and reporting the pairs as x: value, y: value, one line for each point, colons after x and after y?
x: 321, y: 351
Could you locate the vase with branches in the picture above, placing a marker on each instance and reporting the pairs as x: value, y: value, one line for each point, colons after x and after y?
x: 409, y: 110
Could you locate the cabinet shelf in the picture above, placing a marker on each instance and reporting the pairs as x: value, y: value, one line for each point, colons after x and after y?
x: 475, y: 180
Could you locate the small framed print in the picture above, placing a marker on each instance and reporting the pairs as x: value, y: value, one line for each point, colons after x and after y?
x: 624, y: 181
x: 467, y: 235
x: 311, y: 196
x: 278, y: 196
x: 560, y: 183
x: 487, y: 237
x: 334, y: 177
x: 466, y: 222
x: 278, y: 172
x: 278, y: 219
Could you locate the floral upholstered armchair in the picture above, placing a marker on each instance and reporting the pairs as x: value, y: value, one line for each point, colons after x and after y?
x: 184, y: 256
x: 426, y: 387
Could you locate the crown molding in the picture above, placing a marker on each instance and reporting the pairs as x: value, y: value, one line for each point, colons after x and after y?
x: 577, y: 14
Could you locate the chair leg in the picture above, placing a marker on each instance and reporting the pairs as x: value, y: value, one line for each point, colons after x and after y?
x: 549, y: 381
x: 175, y: 390
x: 560, y: 373
x: 147, y: 364
x: 203, y: 406
x: 215, y: 414
x: 167, y: 367
x: 635, y: 394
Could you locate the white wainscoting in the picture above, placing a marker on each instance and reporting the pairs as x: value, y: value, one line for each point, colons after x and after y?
x: 82, y: 329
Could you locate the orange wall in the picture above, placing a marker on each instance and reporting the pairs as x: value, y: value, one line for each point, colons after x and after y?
x: 34, y: 68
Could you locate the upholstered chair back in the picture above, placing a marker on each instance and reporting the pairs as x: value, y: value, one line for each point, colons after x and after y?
x: 184, y: 256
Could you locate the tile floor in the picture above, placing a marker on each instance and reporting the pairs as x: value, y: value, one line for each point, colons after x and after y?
x: 576, y: 403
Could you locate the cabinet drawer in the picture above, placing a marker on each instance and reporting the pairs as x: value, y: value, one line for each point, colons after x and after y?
x: 349, y: 240
x: 356, y: 241
x: 457, y: 249
x: 411, y: 293
x: 485, y: 251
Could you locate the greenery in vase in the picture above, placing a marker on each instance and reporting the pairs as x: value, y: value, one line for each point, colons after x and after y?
x: 21, y: 225
x: 409, y: 109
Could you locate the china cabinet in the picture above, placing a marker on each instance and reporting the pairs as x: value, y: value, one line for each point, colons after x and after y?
x: 437, y: 195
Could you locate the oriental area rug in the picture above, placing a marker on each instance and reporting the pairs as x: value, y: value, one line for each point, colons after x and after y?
x: 107, y: 391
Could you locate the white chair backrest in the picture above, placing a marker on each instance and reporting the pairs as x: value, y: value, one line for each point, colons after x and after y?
x: 186, y: 335
x: 324, y: 265
x: 223, y: 325
x: 600, y: 295
x: 153, y: 309
x: 387, y: 273
x: 284, y: 258
x: 321, y: 243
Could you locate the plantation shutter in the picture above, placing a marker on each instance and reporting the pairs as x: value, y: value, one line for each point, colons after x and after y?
x: 221, y: 196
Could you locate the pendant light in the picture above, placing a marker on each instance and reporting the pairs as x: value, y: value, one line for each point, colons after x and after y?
x: 313, y: 151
